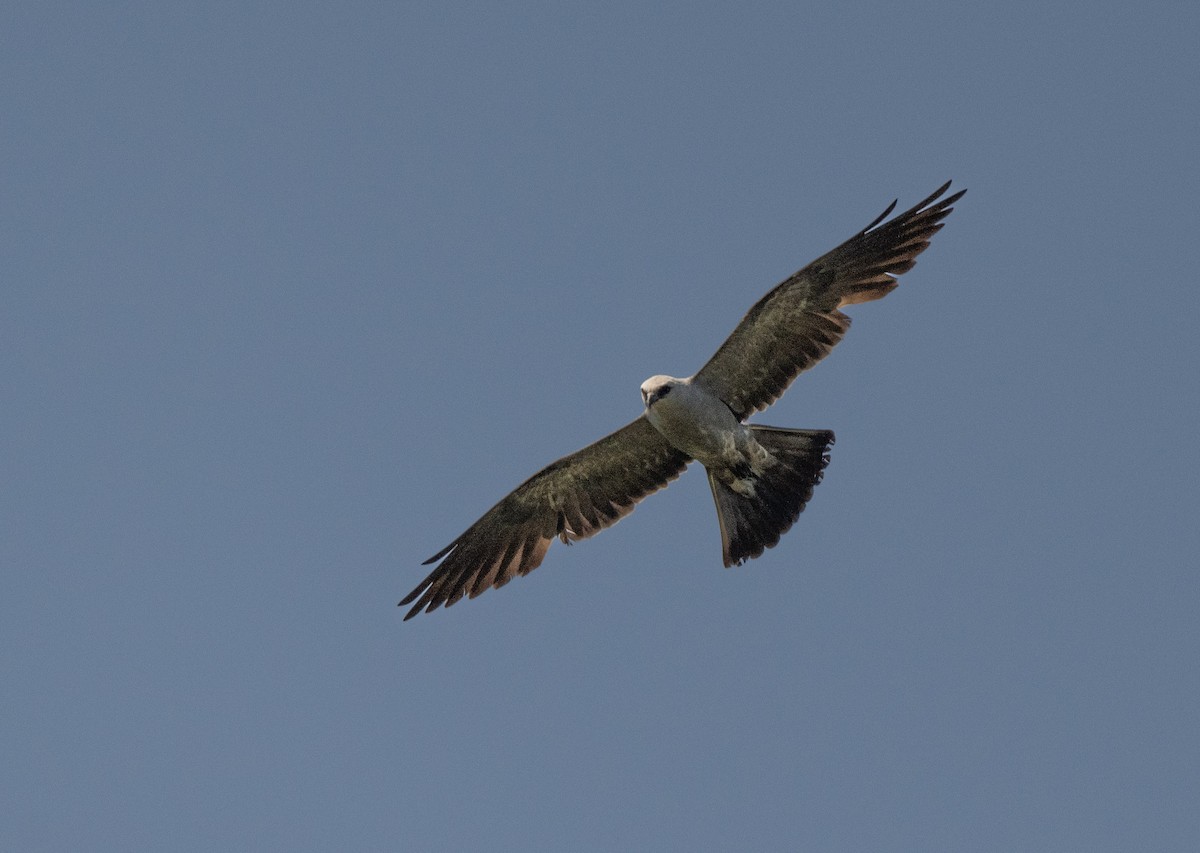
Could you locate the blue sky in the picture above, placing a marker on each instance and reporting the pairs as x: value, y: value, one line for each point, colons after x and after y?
x: 294, y: 292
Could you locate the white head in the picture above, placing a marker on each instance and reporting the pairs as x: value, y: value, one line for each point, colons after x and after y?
x: 657, y: 387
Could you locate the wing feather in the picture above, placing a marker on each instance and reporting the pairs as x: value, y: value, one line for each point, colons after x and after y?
x: 797, y: 323
x: 573, y: 498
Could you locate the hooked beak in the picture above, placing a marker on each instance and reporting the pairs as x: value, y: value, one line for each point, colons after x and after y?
x: 655, y: 394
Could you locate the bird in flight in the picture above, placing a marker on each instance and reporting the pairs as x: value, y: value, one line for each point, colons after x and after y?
x: 761, y: 476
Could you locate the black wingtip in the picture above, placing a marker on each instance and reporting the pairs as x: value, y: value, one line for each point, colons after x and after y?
x: 954, y: 198
x: 882, y: 216
x: 945, y: 202
x: 418, y: 607
x: 442, y: 552
x: 934, y: 196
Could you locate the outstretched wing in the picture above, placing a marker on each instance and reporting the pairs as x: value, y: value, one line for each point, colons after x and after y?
x: 573, y: 498
x: 797, y: 324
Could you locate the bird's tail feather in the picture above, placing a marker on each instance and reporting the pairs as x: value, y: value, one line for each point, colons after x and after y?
x: 753, y: 522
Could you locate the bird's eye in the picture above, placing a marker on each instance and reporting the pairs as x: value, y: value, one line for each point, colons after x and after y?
x: 663, y: 391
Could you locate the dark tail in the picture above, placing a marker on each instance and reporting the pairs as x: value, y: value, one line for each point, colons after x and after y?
x: 751, y: 524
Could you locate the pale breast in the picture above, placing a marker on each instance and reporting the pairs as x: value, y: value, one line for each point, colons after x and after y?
x: 699, y: 424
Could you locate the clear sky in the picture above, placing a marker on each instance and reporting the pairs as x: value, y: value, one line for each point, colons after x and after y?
x: 292, y: 293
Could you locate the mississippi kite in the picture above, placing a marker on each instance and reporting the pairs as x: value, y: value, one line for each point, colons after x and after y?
x: 761, y: 477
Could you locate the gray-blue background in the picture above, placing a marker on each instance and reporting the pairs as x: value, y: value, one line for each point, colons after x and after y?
x: 293, y: 292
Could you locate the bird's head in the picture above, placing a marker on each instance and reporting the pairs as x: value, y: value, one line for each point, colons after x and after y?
x: 657, y: 387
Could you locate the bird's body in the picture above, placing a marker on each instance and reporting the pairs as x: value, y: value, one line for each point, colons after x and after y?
x: 697, y: 422
x: 761, y: 477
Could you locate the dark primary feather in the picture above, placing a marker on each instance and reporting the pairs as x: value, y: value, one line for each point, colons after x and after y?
x: 573, y: 498
x: 796, y: 324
